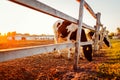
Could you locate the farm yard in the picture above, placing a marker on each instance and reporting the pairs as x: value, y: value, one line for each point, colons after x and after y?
x: 48, y: 66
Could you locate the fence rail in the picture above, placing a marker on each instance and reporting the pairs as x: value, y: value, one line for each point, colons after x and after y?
x: 90, y: 10
x: 9, y: 54
x: 41, y: 7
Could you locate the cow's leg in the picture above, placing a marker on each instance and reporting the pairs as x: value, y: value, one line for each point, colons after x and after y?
x: 68, y: 40
x: 81, y: 53
x: 69, y: 49
x: 59, y: 52
x: 68, y: 53
x: 56, y: 38
x: 70, y: 29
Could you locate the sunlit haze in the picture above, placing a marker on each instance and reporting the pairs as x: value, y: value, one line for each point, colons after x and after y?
x: 14, y: 17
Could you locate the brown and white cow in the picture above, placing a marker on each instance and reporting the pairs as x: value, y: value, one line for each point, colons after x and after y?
x: 66, y: 31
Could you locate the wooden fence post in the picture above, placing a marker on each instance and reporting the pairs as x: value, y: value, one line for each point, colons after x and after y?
x: 97, y: 27
x: 78, y: 38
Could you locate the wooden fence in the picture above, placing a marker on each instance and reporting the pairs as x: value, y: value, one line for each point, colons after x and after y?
x: 39, y: 6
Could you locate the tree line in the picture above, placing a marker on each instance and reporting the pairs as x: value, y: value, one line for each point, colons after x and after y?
x: 117, y: 33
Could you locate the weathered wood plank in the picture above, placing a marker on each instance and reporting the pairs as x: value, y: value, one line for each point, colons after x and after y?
x: 97, y: 27
x: 89, y: 9
x: 9, y: 54
x: 102, y: 34
x: 77, y: 45
x: 33, y: 4
x: 41, y: 7
x: 86, y: 43
x: 29, y: 51
x: 88, y: 27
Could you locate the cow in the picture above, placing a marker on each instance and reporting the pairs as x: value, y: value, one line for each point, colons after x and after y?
x: 66, y: 31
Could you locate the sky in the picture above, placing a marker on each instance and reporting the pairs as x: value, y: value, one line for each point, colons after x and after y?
x: 14, y: 17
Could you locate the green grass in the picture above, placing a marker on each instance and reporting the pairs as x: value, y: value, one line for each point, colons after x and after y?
x: 111, y: 68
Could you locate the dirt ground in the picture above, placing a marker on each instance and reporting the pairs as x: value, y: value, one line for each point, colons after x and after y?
x: 23, y: 43
x: 49, y: 66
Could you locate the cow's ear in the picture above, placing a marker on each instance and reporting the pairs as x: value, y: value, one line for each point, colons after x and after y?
x: 78, y: 0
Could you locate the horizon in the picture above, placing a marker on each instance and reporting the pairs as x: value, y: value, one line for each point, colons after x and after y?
x: 22, y: 33
x: 25, y: 20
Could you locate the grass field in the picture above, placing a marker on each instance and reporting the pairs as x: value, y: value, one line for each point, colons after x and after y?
x: 48, y: 66
x: 111, y: 67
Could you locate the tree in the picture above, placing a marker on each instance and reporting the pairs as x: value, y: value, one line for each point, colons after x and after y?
x: 118, y: 30
x: 13, y: 33
x: 27, y: 34
x: 111, y: 35
x: 8, y: 34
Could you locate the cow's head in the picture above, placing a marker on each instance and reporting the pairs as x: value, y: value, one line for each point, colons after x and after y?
x: 106, y: 41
